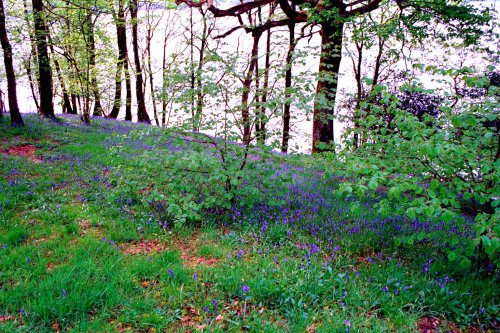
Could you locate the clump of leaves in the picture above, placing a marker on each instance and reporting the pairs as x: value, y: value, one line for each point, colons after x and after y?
x: 439, y: 170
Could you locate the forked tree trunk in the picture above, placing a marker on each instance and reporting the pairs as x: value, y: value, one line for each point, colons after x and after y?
x: 32, y: 57
x: 245, y: 112
x: 15, y: 116
x: 121, y: 38
x: 66, y: 102
x: 142, y: 115
x: 326, y: 90
x: 45, y: 74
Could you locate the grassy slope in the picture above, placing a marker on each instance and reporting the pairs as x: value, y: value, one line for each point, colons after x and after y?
x: 80, y: 252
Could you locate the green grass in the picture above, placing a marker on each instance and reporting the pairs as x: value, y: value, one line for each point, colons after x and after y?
x: 67, y: 227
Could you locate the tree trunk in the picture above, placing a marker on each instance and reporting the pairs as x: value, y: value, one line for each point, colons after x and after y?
x: 245, y: 113
x: 128, y: 88
x: 191, y: 65
x: 32, y: 55
x: 74, y: 103
x: 15, y: 116
x: 288, y: 86
x: 121, y: 38
x: 90, y: 41
x: 359, y: 92
x: 142, y: 115
x: 258, y: 96
x: 149, y: 38
x: 33, y: 85
x: 326, y: 90
x: 164, y: 82
x: 45, y: 74
x: 200, y: 96
x: 265, y: 91
x: 1, y: 104
x: 118, y: 91
x: 66, y: 102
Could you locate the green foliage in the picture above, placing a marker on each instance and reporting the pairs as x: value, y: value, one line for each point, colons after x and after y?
x: 121, y: 270
x: 439, y: 169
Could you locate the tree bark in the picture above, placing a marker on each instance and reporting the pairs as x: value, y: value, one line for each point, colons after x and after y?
x: 288, y: 86
x: 121, y: 38
x: 1, y: 104
x: 149, y: 37
x: 15, y: 116
x: 245, y: 112
x: 128, y: 88
x: 262, y: 136
x: 66, y: 102
x: 326, y: 90
x: 142, y: 115
x: 27, y: 63
x: 200, y: 96
x: 74, y: 103
x: 45, y: 74
x: 90, y: 41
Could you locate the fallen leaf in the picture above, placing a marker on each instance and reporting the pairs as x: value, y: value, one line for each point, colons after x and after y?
x: 6, y: 318
x: 56, y: 327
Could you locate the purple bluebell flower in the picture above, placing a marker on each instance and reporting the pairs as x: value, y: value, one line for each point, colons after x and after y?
x: 171, y: 273
x: 63, y: 292
x: 385, y: 289
x: 245, y: 289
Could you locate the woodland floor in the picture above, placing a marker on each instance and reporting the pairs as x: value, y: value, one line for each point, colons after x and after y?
x: 79, y: 255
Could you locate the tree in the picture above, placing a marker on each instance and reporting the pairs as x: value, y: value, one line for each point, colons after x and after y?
x: 331, y: 15
x: 121, y: 64
x: 30, y: 57
x: 89, y: 36
x: 1, y: 103
x: 15, y: 116
x: 142, y: 114
x: 67, y: 108
x: 45, y: 74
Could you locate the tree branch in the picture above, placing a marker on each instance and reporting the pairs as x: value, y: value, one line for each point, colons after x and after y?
x: 227, y: 33
x: 371, y: 6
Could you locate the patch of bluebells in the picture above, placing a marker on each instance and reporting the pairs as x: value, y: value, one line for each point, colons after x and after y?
x: 308, y: 203
x: 426, y: 266
x: 111, y: 242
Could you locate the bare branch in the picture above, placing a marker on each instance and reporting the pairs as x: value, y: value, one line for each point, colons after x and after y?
x: 227, y: 33
x: 371, y: 6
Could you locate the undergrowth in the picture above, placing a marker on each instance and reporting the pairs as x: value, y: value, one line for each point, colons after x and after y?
x: 123, y: 227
